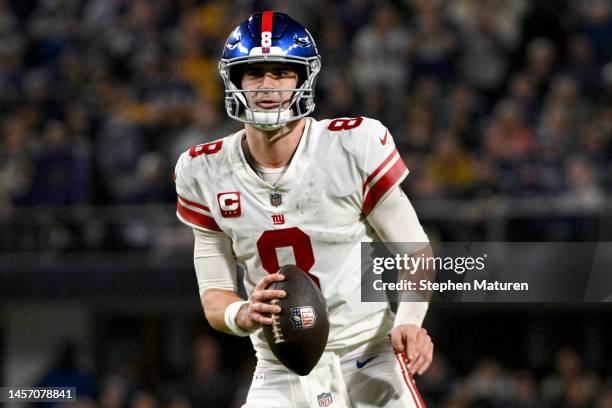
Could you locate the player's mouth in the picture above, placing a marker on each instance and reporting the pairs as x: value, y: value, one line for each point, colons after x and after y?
x: 268, y: 104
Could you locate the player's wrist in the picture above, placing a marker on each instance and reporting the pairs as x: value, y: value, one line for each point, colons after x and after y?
x: 244, y: 320
x: 412, y: 313
x: 231, y: 317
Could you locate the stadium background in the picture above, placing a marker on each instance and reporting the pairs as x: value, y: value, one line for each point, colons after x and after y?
x: 501, y: 109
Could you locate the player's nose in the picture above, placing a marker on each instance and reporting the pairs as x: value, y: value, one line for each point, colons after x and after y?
x: 269, y: 81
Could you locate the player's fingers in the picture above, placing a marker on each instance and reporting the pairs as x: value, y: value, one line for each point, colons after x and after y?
x: 411, y: 347
x: 415, y: 365
x: 268, y: 279
x: 423, y: 342
x: 428, y: 359
x: 259, y: 318
x: 269, y: 294
x: 397, y: 341
x: 261, y: 295
x: 417, y: 349
x: 266, y: 308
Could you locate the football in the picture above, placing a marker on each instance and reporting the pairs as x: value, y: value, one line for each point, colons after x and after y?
x: 298, y: 335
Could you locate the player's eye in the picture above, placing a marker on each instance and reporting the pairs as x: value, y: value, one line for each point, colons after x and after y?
x: 274, y: 73
x: 284, y: 73
x: 255, y: 73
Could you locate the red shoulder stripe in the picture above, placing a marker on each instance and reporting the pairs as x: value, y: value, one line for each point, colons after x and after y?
x: 194, y: 204
x: 196, y: 218
x: 383, y: 185
x: 379, y: 168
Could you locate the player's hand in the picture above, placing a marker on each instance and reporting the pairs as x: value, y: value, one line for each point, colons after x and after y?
x: 416, y: 343
x: 258, y: 310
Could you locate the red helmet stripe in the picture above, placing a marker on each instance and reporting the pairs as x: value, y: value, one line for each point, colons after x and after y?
x: 266, y: 31
x: 266, y: 21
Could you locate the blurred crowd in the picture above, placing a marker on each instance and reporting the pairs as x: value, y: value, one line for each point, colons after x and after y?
x: 497, y: 97
x: 508, y: 98
x: 489, y: 385
x: 207, y: 382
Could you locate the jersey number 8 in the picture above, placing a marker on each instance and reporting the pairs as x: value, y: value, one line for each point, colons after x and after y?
x: 344, y: 123
x: 293, y: 237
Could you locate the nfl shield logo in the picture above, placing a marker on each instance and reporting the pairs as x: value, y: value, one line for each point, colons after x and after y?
x: 276, y: 198
x: 325, y: 399
x: 303, y: 317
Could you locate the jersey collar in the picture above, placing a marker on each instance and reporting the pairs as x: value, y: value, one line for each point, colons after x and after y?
x: 298, y: 163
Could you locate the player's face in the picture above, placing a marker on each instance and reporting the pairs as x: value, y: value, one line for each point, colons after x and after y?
x: 266, y: 78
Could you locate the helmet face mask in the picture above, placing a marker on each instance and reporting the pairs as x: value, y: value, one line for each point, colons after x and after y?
x: 286, y: 42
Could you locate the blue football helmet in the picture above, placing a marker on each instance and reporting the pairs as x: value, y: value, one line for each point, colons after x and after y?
x: 269, y: 37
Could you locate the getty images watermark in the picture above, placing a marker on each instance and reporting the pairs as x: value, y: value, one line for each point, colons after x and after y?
x: 487, y: 272
x: 413, y: 266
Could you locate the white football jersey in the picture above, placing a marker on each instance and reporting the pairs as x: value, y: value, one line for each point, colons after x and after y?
x: 314, y: 216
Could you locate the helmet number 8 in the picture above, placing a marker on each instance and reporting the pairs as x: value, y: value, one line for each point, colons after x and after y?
x: 266, y: 39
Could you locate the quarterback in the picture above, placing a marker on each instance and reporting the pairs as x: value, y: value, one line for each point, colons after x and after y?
x: 288, y: 189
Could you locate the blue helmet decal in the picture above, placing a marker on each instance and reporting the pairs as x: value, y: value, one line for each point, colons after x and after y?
x: 287, y: 36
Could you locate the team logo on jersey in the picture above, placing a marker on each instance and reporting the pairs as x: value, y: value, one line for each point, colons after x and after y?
x: 303, y: 317
x: 229, y: 204
x: 278, y: 219
x: 276, y: 198
x: 325, y: 399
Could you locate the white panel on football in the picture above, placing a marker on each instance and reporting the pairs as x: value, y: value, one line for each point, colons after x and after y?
x: 285, y: 256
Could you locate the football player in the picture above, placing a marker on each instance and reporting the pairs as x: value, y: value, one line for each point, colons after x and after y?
x: 290, y: 189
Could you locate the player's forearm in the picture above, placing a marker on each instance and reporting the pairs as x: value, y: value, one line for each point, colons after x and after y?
x: 214, y: 303
x: 425, y: 272
x: 412, y: 305
x: 395, y: 222
x: 408, y: 237
x: 215, y: 268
